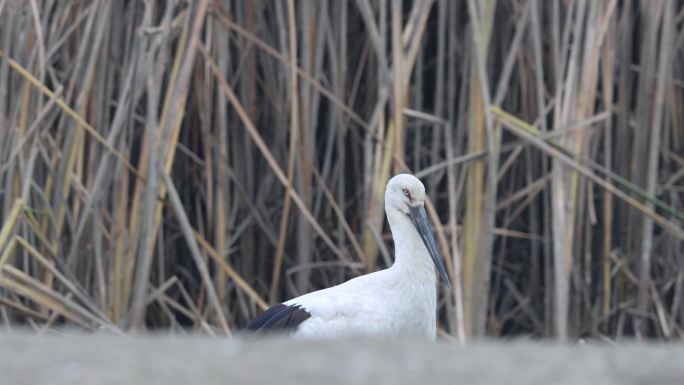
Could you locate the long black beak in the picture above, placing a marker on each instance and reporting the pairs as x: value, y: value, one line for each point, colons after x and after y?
x: 422, y: 224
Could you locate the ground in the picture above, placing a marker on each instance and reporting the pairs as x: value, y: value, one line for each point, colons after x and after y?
x: 105, y: 359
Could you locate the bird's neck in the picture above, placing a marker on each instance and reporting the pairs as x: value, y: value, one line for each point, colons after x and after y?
x: 410, y: 253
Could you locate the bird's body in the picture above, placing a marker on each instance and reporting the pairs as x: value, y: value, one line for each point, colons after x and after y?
x: 376, y: 304
x: 398, y: 301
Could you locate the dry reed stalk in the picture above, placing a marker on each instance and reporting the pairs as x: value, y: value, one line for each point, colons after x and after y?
x: 664, y: 62
x: 522, y: 129
x: 272, y: 163
x: 194, y: 249
x: 481, y: 190
x: 294, y: 129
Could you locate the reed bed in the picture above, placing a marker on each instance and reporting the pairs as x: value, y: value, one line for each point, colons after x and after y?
x: 181, y: 165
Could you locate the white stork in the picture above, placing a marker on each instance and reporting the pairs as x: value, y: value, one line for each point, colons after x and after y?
x: 398, y: 301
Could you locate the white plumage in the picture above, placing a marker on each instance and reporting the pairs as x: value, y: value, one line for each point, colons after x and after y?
x: 398, y: 301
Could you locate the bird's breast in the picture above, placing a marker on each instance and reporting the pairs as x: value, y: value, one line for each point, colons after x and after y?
x: 414, y: 309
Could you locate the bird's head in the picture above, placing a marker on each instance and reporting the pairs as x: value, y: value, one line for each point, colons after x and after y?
x: 406, y: 194
x: 403, y: 192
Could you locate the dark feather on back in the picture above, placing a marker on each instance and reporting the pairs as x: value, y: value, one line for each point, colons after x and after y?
x: 278, y: 318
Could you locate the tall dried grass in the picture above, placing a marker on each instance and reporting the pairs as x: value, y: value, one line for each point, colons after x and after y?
x: 182, y: 164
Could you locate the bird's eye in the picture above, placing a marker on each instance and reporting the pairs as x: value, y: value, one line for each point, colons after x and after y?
x: 406, y: 192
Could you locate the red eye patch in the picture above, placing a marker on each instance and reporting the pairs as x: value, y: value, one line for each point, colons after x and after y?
x: 407, y: 193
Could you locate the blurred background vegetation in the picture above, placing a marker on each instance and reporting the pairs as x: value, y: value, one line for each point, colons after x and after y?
x: 180, y: 165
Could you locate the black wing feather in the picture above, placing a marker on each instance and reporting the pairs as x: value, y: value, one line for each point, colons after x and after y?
x: 279, y: 318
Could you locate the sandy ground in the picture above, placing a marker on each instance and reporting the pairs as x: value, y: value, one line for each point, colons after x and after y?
x: 104, y: 359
